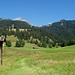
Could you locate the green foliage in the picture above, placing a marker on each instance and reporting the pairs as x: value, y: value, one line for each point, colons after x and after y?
x: 20, y: 43
x: 57, y: 45
x: 36, y: 42
x: 31, y: 41
x: 18, y: 24
x: 8, y: 43
x: 50, y: 45
x: 44, y: 44
x: 62, y: 32
x: 39, y: 44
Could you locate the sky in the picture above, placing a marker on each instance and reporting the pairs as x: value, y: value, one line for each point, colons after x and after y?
x: 38, y: 12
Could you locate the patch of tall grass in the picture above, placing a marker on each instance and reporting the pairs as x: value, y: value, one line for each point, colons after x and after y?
x: 42, y: 61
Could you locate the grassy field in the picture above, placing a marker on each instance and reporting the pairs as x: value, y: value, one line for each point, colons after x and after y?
x: 42, y: 61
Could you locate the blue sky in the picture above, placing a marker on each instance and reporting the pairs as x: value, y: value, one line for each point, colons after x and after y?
x: 38, y: 12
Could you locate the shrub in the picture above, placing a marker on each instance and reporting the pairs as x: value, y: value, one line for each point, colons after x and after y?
x: 39, y: 44
x: 20, y: 43
x: 44, y: 44
x: 8, y: 43
x: 36, y: 42
x: 57, y: 45
x: 50, y: 45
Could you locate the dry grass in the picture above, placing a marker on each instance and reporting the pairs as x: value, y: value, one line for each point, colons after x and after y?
x: 42, y: 61
x: 12, y: 38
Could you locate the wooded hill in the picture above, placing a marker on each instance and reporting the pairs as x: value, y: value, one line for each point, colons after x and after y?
x: 17, y: 23
x: 61, y: 33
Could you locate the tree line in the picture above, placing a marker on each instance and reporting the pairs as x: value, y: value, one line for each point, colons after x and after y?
x: 60, y: 33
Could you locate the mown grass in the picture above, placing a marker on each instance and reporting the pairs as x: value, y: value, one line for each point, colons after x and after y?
x: 42, y: 61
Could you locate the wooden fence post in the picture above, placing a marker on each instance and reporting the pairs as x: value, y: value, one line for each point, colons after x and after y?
x: 2, y: 39
x: 1, y: 57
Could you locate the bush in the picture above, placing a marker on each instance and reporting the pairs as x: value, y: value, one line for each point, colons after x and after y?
x: 20, y: 43
x: 50, y: 45
x: 8, y: 43
x: 44, y: 44
x: 39, y: 44
x: 57, y: 45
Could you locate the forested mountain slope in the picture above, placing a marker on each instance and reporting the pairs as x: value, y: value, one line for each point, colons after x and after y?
x: 17, y: 23
x: 62, y: 30
x: 59, y: 32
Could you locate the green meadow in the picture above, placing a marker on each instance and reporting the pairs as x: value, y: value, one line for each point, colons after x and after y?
x: 41, y: 61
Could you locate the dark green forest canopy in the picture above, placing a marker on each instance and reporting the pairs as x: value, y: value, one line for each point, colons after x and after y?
x: 9, y: 22
x: 61, y: 31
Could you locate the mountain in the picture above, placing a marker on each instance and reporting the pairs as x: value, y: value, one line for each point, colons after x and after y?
x: 17, y: 22
x: 58, y: 32
x: 62, y: 30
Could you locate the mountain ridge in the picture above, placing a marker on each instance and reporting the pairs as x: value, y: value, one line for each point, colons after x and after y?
x: 61, y: 31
